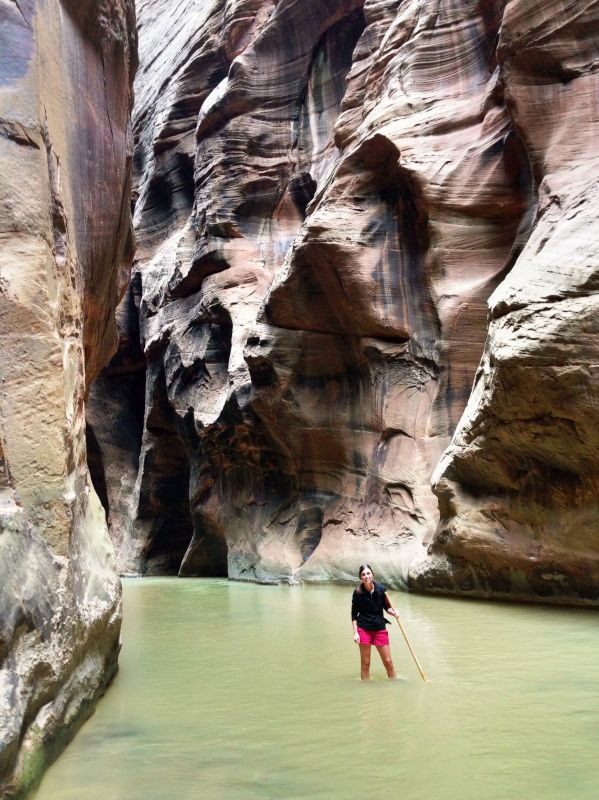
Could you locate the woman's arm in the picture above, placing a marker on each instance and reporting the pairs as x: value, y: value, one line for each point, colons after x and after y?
x: 390, y: 609
x: 354, y: 617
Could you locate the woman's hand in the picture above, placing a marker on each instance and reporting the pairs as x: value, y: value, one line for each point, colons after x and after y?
x: 394, y: 613
x: 357, y: 637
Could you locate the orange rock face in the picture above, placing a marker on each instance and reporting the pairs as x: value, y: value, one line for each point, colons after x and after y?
x: 341, y: 207
x: 65, y: 249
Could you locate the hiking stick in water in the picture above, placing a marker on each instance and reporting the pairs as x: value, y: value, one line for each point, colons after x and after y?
x: 405, y: 636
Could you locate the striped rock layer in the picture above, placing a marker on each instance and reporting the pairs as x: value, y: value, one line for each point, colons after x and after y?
x: 364, y: 292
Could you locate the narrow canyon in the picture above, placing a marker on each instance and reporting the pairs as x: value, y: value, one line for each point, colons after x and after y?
x: 286, y: 287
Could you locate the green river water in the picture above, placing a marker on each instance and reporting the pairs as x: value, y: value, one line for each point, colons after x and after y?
x: 233, y: 691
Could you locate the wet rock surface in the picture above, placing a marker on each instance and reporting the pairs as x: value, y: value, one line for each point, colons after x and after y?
x: 65, y: 244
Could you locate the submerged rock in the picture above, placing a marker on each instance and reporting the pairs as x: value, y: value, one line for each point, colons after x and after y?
x: 66, y: 241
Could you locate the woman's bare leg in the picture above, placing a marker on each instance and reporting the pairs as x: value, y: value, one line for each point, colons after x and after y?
x: 365, y: 662
x: 385, y: 654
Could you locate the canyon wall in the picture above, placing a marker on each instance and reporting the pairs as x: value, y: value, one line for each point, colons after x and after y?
x: 66, y: 243
x: 350, y: 213
x: 518, y: 488
x: 360, y: 326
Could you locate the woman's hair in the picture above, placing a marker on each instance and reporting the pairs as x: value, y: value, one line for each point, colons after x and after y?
x: 360, y: 571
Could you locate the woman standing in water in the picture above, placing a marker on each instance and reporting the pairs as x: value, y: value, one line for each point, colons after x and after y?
x: 368, y: 602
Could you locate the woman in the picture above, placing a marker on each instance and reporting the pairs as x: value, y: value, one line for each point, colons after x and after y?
x: 369, y: 600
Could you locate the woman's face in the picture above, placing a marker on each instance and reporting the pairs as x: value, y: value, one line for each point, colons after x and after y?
x: 366, y: 576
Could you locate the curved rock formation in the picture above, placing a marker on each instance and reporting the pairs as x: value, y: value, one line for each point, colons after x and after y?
x: 330, y: 198
x: 65, y: 148
x: 313, y: 292
x: 517, y: 488
x: 341, y: 206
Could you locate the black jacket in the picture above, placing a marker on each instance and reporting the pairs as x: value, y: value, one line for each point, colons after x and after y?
x: 367, y: 607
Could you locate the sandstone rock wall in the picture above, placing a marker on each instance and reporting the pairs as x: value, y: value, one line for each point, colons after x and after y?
x: 340, y: 208
x: 65, y: 240
x: 518, y: 487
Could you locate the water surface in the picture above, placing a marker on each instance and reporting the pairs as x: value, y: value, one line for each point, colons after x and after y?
x: 233, y: 691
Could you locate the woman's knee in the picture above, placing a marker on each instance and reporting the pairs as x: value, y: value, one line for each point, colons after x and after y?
x: 386, y: 658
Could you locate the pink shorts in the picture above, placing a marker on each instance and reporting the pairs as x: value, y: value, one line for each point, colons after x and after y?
x: 376, y: 638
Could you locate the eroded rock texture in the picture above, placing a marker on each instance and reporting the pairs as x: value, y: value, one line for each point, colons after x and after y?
x: 330, y: 196
x: 65, y: 240
x: 518, y: 488
x: 317, y: 241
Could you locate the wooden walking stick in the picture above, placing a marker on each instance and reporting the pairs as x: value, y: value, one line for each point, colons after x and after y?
x: 405, y: 636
